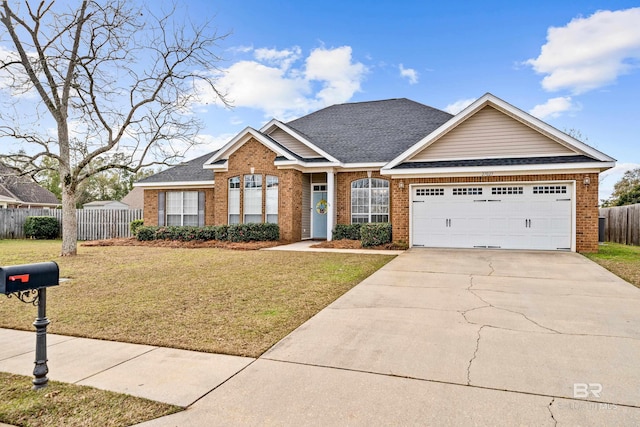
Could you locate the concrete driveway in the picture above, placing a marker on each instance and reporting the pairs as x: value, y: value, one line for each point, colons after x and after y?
x: 452, y: 337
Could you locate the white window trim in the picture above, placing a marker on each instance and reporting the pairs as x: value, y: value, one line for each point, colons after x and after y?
x: 182, y: 213
x: 370, y: 188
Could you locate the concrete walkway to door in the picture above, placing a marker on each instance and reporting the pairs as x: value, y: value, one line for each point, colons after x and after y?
x: 451, y: 337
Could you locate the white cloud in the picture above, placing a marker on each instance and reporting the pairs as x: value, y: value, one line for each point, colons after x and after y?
x: 589, y: 53
x: 409, y: 73
x: 340, y: 77
x: 281, y: 58
x: 554, y: 107
x: 284, y: 84
x: 459, y: 105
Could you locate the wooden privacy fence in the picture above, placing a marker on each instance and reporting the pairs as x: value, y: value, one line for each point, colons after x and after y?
x: 93, y: 224
x: 622, y: 224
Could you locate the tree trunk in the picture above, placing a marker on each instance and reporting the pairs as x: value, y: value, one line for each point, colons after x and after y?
x: 69, y: 222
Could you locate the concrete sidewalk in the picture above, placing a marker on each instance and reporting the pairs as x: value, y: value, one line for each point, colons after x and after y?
x: 179, y: 377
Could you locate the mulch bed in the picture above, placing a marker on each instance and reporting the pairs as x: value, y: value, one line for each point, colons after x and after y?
x: 132, y: 241
x: 246, y: 246
x: 355, y: 244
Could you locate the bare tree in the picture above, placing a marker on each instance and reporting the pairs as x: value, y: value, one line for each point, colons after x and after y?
x: 99, y: 86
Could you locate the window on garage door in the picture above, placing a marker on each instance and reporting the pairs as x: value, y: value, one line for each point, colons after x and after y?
x: 369, y: 200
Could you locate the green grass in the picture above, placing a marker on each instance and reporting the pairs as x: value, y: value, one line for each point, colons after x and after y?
x: 71, y: 405
x: 622, y: 260
x: 212, y: 300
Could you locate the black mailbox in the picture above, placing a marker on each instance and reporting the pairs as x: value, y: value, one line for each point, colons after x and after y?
x: 23, y: 277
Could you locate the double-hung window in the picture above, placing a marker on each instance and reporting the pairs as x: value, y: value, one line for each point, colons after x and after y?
x: 252, y: 198
x: 182, y: 208
x: 369, y: 200
x: 234, y: 200
x: 271, y: 205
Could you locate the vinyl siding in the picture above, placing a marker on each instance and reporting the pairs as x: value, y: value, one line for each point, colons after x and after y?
x: 490, y: 134
x: 293, y: 144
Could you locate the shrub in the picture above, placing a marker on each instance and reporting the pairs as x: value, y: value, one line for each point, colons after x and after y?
x: 375, y: 234
x: 134, y: 225
x: 346, y: 231
x: 233, y: 233
x: 222, y: 232
x: 264, y: 232
x: 253, y: 232
x: 146, y: 233
x: 41, y: 227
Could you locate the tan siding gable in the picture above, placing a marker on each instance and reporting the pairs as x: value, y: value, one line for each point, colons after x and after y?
x: 293, y: 144
x: 491, y: 134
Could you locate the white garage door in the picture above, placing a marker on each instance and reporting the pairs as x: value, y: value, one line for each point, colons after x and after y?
x: 508, y: 216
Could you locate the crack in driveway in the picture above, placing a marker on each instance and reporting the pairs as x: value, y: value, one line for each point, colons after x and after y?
x: 550, y: 408
x: 475, y: 353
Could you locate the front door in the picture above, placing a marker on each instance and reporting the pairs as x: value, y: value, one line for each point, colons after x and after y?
x: 319, y: 211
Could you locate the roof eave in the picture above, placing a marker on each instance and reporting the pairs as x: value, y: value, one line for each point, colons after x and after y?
x: 175, y: 184
x: 242, y: 137
x: 299, y: 137
x: 587, y: 167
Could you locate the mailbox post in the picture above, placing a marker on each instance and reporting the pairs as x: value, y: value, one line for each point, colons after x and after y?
x: 29, y: 283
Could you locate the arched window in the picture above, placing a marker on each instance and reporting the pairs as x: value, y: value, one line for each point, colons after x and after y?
x: 369, y: 200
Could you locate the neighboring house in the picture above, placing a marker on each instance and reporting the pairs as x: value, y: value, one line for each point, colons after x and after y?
x: 492, y: 176
x: 105, y: 204
x: 134, y: 198
x: 21, y: 192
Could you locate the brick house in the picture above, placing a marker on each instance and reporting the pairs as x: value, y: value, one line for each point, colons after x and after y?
x: 491, y: 176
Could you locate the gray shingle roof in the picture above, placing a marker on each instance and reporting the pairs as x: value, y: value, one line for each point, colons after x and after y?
x: 24, y: 189
x: 184, y: 172
x: 366, y: 132
x: 514, y: 161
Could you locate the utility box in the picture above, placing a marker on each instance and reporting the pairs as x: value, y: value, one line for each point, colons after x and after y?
x: 602, y: 227
x: 23, y: 277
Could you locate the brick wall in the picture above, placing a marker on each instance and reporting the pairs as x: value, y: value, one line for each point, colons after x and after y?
x: 255, y: 155
x: 586, y: 201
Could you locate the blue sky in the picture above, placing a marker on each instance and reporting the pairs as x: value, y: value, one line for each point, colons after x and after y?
x: 574, y: 64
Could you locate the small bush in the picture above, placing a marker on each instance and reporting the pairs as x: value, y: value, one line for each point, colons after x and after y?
x: 146, y: 233
x: 375, y: 234
x: 346, y: 231
x: 134, y: 225
x: 41, y: 227
x: 238, y: 233
x: 222, y: 232
x: 265, y: 232
x: 253, y: 232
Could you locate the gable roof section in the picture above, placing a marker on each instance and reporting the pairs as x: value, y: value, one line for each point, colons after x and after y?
x: 369, y: 132
x: 21, y: 189
x: 186, y: 173
x: 294, y: 142
x: 491, y: 105
x: 219, y: 158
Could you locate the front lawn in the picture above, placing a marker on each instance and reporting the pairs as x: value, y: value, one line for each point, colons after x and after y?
x: 622, y: 260
x: 71, y: 405
x: 212, y: 300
